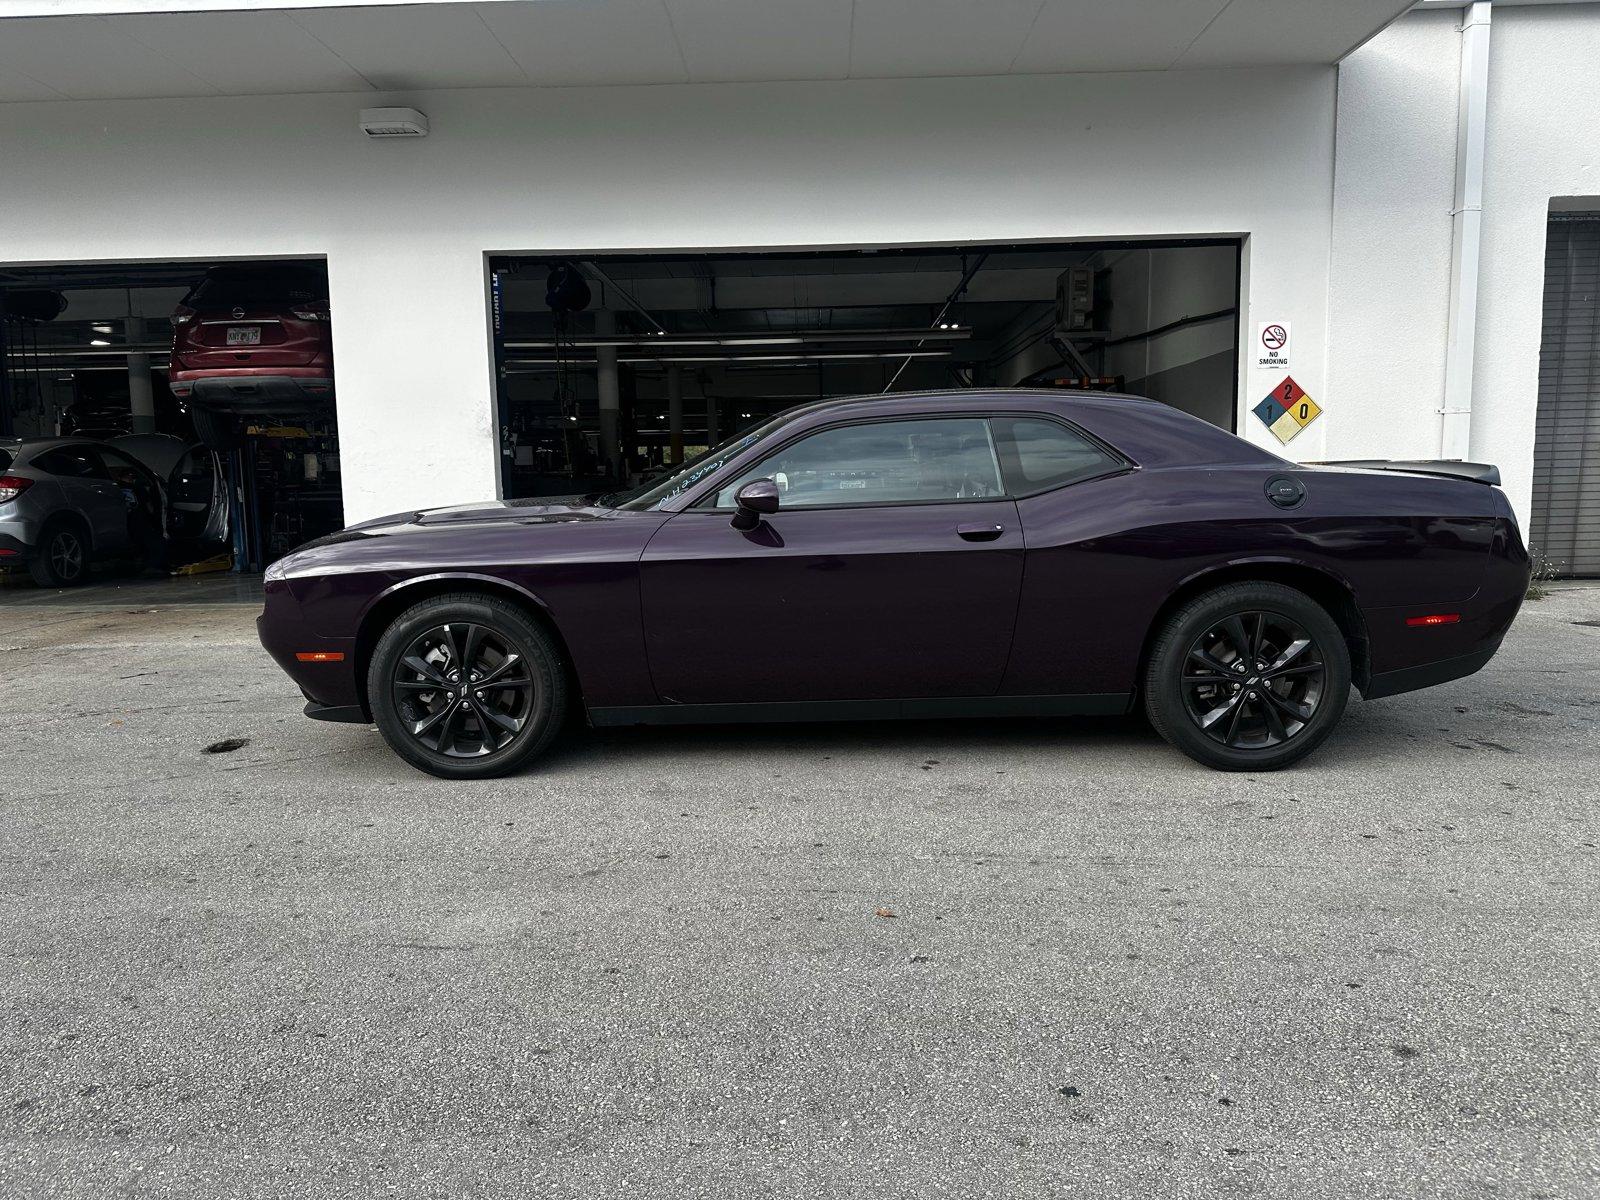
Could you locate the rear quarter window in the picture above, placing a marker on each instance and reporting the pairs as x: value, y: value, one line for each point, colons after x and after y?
x: 71, y: 462
x: 1037, y: 454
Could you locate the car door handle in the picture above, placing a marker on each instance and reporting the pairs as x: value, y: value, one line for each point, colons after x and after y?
x: 980, y: 533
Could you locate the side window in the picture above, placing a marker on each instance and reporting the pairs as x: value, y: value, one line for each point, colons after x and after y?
x: 123, y: 471
x: 73, y: 462
x: 136, y: 483
x: 1039, y: 455
x: 891, y: 462
x: 192, y: 481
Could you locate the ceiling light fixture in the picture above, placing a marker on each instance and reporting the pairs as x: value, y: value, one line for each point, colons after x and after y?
x: 98, y: 342
x: 393, y: 123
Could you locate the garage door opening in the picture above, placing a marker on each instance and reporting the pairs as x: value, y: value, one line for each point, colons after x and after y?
x: 613, y: 366
x: 215, y: 377
x: 1566, y: 447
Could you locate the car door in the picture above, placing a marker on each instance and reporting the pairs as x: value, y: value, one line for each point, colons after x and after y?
x: 88, y: 488
x: 891, y: 570
x: 143, y: 511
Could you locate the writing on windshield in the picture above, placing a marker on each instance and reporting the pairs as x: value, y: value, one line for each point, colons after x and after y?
x: 683, y: 483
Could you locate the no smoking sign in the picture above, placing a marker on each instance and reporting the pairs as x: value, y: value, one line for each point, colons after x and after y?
x: 1272, y: 346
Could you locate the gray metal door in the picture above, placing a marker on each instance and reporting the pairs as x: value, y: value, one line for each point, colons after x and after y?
x: 1566, y: 447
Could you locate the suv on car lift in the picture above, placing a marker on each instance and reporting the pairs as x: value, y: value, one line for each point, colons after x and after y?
x: 252, y: 340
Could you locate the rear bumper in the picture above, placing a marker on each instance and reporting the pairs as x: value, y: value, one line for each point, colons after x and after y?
x: 18, y: 534
x: 1407, y: 657
x: 1410, y: 679
x: 256, y: 389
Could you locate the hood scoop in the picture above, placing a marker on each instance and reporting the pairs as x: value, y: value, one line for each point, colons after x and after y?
x: 524, y: 512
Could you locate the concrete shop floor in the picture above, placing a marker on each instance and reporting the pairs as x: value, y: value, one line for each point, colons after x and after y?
x: 659, y: 965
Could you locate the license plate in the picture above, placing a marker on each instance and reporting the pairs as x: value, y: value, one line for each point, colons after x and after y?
x: 244, y: 335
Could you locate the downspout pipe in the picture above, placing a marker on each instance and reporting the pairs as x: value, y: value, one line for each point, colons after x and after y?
x: 1455, y: 417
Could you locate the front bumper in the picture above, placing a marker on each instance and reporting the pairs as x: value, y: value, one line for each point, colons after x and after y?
x: 330, y: 685
x: 352, y: 714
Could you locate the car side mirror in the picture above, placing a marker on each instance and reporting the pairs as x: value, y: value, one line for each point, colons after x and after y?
x: 756, y: 499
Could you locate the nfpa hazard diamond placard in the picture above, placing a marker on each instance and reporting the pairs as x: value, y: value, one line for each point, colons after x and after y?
x: 1287, y: 410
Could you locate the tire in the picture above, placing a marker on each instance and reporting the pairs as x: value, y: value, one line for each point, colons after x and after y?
x: 1249, y: 719
x: 218, y: 430
x: 62, y: 558
x: 477, y: 742
x: 148, y: 548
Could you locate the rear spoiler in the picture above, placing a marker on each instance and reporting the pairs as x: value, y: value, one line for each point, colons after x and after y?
x: 1474, y: 472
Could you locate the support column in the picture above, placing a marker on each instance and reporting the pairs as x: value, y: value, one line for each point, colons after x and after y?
x: 712, y: 436
x: 415, y: 430
x: 605, y: 323
x: 141, y: 397
x: 1461, y: 331
x: 675, y: 414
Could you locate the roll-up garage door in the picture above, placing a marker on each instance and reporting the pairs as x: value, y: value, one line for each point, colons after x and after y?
x: 1566, y: 450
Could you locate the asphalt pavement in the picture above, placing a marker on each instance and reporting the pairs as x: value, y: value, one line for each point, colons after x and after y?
x: 1008, y: 959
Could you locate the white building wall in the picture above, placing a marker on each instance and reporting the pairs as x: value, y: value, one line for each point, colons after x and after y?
x: 1543, y: 143
x: 1390, y: 272
x: 1389, y: 283
x: 405, y: 225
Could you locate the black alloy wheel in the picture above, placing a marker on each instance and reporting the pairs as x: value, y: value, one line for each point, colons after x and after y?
x: 466, y: 686
x: 1253, y: 680
x: 1248, y: 677
x: 463, y: 689
x: 62, y: 560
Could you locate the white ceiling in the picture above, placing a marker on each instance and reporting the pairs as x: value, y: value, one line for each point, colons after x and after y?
x: 112, y: 49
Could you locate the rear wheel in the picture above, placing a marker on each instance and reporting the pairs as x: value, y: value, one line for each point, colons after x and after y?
x: 218, y: 430
x: 62, y: 559
x: 466, y: 686
x: 1248, y: 677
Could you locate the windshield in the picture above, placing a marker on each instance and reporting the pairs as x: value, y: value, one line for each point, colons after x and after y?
x: 7, y: 453
x: 258, y: 287
x: 656, y: 492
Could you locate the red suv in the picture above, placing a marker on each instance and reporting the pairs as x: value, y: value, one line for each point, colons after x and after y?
x: 252, y: 341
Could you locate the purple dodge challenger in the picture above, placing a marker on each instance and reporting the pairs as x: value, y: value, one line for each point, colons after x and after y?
x: 971, y: 553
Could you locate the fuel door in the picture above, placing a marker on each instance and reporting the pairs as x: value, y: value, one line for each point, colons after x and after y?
x: 1286, y: 491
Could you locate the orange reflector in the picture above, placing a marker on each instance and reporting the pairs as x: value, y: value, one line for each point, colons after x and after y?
x: 1435, y: 619
x: 320, y: 655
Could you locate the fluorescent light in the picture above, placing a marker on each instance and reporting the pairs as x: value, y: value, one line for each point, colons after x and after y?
x: 98, y: 342
x: 101, y: 328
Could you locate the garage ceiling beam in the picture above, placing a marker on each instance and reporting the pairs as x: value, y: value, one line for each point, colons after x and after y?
x: 798, y: 337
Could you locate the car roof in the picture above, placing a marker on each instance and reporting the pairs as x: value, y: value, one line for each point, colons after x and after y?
x: 978, y: 397
x: 1152, y: 433
x: 30, y: 448
x: 44, y: 443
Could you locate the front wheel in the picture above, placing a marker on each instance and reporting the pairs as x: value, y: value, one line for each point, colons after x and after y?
x: 1248, y: 677
x: 466, y: 686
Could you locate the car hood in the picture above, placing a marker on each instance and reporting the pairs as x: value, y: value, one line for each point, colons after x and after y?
x: 540, y: 510
x: 536, y: 510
